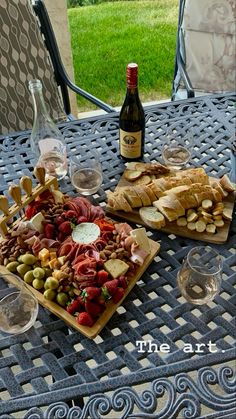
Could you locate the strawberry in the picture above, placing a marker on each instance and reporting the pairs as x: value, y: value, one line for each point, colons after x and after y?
x: 90, y: 293
x: 82, y: 219
x: 73, y: 307
x: 85, y: 319
x: 70, y: 214
x: 123, y: 281
x: 93, y: 309
x: 65, y: 227
x: 49, y: 231
x: 59, y: 220
x: 119, y: 294
x: 110, y: 288
x: 101, y: 300
x: 102, y: 277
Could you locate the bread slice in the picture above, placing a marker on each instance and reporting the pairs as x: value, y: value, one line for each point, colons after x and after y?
x: 226, y: 184
x: 184, y: 195
x: 150, y: 193
x: 132, y: 197
x: 140, y: 190
x: 170, y: 207
x: 151, y: 217
x: 123, y: 202
x: 143, y: 180
x: 155, y: 188
x: 197, y: 175
x: 132, y: 175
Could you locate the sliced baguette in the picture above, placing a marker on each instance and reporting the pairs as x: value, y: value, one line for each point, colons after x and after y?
x: 132, y: 175
x: 226, y: 184
x: 170, y: 207
x: 140, y: 190
x: 152, y: 217
x: 132, y: 197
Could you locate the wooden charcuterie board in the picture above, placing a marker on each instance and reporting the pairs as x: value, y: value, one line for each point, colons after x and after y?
x: 90, y: 332
x: 171, y: 227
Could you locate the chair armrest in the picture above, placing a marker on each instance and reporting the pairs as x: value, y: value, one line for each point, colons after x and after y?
x: 184, y: 76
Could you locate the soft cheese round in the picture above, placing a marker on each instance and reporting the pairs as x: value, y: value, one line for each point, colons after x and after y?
x: 85, y: 233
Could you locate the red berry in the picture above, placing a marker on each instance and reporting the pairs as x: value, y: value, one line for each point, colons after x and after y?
x: 85, y: 319
x: 49, y: 231
x: 123, y: 281
x: 61, y: 236
x: 110, y: 287
x: 70, y: 214
x: 91, y: 293
x: 59, y: 220
x: 92, y: 308
x: 65, y: 227
x: 73, y: 307
x: 102, y: 277
x: 82, y: 219
x: 119, y: 294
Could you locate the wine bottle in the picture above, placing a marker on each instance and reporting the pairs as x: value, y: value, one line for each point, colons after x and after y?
x: 46, y: 141
x: 132, y: 118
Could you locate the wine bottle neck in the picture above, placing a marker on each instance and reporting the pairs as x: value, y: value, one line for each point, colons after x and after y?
x: 40, y: 109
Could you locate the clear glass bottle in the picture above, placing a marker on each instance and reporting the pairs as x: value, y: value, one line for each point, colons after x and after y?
x: 132, y: 118
x: 46, y: 141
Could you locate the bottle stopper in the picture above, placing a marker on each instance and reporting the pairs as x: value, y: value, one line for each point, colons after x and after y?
x: 4, y: 205
x: 15, y: 193
x: 26, y: 184
x: 40, y: 173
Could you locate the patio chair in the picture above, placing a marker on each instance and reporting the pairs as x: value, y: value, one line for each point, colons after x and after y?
x: 28, y: 50
x: 205, y: 51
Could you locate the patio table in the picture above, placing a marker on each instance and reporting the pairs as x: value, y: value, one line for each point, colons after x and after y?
x: 44, y: 369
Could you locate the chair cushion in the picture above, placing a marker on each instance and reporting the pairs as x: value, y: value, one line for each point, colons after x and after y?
x: 23, y: 57
x: 209, y: 35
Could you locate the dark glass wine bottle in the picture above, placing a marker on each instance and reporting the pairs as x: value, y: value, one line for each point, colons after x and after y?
x: 132, y: 119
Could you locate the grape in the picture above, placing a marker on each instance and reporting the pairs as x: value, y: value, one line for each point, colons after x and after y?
x: 51, y: 283
x: 62, y: 298
x: 49, y: 294
x: 39, y: 273
x: 28, y: 259
x: 38, y: 283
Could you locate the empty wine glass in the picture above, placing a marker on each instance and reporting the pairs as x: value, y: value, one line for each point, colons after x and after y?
x: 177, y: 148
x: 86, y: 175
x: 18, y: 307
x: 200, y: 276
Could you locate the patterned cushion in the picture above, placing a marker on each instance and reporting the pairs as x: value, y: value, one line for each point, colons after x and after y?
x: 23, y: 57
x: 209, y: 28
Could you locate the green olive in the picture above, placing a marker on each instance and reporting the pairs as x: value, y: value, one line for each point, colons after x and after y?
x: 51, y: 283
x: 20, y: 258
x: 11, y: 266
x: 29, y: 277
x: 49, y: 294
x: 38, y: 283
x: 22, y: 269
x: 28, y: 259
x: 62, y: 298
x: 39, y: 273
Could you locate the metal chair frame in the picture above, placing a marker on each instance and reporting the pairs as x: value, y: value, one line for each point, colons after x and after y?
x: 61, y: 76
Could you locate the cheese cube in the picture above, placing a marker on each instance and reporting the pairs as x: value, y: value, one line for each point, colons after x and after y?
x: 53, y: 255
x: 116, y: 267
x: 43, y: 254
x: 36, y: 222
x: 54, y: 264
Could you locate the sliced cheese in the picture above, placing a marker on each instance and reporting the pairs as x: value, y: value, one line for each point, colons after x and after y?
x: 116, y: 267
x: 36, y: 222
x: 141, y: 238
x: 85, y: 233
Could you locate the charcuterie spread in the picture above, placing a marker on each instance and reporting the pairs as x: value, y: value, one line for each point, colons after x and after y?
x: 185, y: 202
x: 68, y: 251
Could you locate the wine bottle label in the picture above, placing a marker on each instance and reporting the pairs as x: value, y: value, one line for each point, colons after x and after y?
x: 130, y: 144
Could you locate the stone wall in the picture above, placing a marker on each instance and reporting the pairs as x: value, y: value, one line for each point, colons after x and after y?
x: 57, y: 10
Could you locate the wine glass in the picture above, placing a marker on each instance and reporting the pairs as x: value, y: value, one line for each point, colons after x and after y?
x: 200, y: 276
x: 177, y: 148
x: 18, y: 307
x: 86, y: 175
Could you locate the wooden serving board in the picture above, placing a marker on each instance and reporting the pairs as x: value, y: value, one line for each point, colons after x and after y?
x: 171, y: 227
x: 90, y: 332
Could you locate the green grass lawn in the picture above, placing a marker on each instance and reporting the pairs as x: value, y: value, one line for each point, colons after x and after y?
x: 107, y: 36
